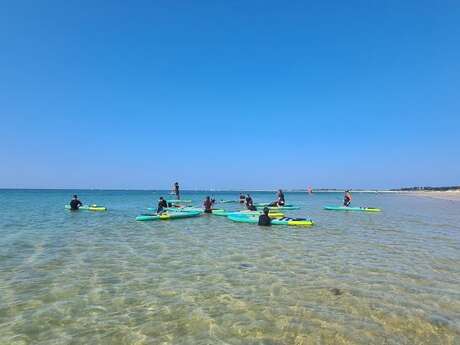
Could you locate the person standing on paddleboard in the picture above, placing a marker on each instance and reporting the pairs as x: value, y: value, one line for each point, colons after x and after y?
x: 75, y: 203
x: 176, y: 190
x: 347, y: 198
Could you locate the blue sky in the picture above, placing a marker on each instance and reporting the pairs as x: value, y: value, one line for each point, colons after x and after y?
x: 215, y: 94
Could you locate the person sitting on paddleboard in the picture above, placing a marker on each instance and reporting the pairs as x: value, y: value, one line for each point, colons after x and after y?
x: 248, y: 200
x: 280, y: 201
x: 162, y: 204
x: 264, y: 219
x: 251, y: 207
x: 176, y: 190
x: 242, y: 198
x: 250, y: 204
x: 207, y: 204
x: 347, y: 198
x: 75, y: 203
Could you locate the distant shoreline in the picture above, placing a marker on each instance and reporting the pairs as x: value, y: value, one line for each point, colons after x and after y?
x: 209, y: 190
x: 453, y: 195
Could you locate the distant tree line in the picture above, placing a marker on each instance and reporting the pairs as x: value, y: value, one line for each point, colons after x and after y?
x: 440, y: 189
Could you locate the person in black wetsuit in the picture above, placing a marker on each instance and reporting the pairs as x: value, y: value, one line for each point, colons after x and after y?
x: 207, y: 204
x: 280, y: 201
x: 264, y: 219
x: 162, y: 204
x: 250, y: 204
x: 347, y: 198
x: 242, y: 198
x: 252, y: 207
x: 176, y: 190
x: 75, y: 203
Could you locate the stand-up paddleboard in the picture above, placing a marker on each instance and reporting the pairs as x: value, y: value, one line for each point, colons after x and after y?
x: 254, y: 219
x: 276, y: 208
x: 178, y: 201
x: 344, y: 208
x: 246, y: 212
x: 271, y: 214
x: 168, y: 215
x: 262, y: 204
x: 177, y: 209
x: 220, y: 212
x: 95, y: 208
x: 228, y: 201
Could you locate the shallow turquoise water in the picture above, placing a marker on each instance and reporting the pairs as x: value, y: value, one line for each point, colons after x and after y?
x: 102, y: 278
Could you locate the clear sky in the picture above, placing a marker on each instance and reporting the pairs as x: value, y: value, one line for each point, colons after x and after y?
x: 229, y: 94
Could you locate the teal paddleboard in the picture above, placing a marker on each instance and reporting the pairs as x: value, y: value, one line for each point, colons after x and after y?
x: 254, y: 219
x: 276, y: 208
x: 344, y: 208
x: 168, y: 215
x: 262, y: 204
x: 180, y: 201
x: 177, y: 209
x: 250, y: 213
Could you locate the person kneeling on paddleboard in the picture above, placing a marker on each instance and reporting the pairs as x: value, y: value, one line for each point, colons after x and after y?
x: 347, y: 198
x: 264, y: 219
x: 162, y: 204
x: 75, y: 203
x: 207, y: 204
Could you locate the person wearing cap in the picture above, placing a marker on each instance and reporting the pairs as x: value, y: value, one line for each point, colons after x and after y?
x: 75, y: 203
x: 347, y: 198
x: 264, y: 219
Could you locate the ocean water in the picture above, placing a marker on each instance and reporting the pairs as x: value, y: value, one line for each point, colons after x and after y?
x: 103, y: 278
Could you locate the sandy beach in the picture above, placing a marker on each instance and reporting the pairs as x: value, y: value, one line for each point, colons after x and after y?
x: 453, y: 195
